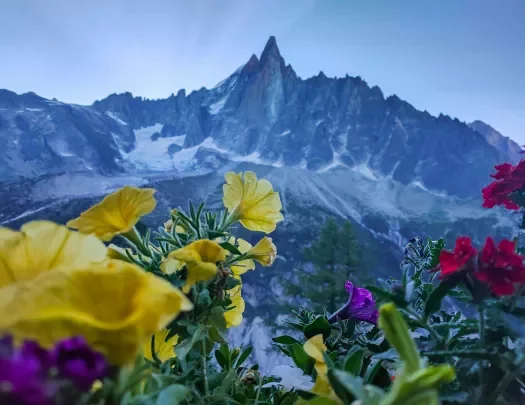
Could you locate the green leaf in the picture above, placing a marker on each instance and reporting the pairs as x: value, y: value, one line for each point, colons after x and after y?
x: 352, y: 384
x: 295, y: 325
x: 227, y: 382
x: 217, y: 335
x: 285, y: 340
x: 435, y: 252
x: 319, y: 326
x: 390, y: 355
x: 230, y: 248
x: 433, y: 302
x: 477, y: 354
x: 299, y: 356
x: 384, y: 295
x: 371, y: 372
x: 183, y: 348
x: 306, y: 395
x: 321, y: 401
x: 172, y: 395
x: 231, y: 282
x: 243, y: 356
x: 354, y: 361
x: 222, y: 360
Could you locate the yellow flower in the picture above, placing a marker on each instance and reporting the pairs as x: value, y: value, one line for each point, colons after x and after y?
x: 163, y: 348
x: 252, y: 202
x: 264, y: 252
x: 114, y: 305
x: 117, y: 213
x: 242, y: 266
x: 97, y: 385
x: 201, y: 259
x: 315, y: 348
x: 233, y: 317
x: 170, y: 265
x: 41, y: 246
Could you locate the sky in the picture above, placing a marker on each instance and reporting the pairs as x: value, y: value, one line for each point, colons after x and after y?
x: 464, y: 58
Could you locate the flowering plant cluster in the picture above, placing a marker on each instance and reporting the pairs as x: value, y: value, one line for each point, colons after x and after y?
x: 31, y: 374
x: 98, y: 313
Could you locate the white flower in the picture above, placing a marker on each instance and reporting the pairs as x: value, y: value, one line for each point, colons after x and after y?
x: 291, y: 378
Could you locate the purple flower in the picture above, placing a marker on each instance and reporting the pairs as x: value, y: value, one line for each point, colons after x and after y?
x: 34, y: 357
x: 22, y: 384
x: 360, y: 306
x: 76, y: 361
x: 6, y: 346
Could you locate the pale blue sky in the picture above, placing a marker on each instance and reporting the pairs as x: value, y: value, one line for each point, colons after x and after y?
x: 465, y: 58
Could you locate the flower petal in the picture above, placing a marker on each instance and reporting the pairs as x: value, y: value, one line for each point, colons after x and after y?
x: 264, y: 252
x: 252, y: 201
x: 114, y: 305
x: 43, y: 246
x: 117, y: 213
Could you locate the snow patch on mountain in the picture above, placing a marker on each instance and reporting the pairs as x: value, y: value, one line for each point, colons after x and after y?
x: 112, y: 115
x: 215, y: 108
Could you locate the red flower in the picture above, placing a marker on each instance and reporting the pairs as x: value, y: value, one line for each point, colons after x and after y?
x: 500, y: 267
x: 503, y: 171
x: 497, y: 194
x: 508, y: 180
x: 452, y: 262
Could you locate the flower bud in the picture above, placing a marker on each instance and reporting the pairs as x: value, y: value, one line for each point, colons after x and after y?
x: 168, y: 225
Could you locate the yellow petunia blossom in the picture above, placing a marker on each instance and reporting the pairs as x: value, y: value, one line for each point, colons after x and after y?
x: 41, y: 246
x: 264, y: 252
x: 170, y: 265
x: 233, y: 317
x: 315, y: 348
x: 117, y: 213
x: 242, y: 266
x: 163, y: 348
x: 201, y: 258
x: 114, y: 305
x: 252, y: 202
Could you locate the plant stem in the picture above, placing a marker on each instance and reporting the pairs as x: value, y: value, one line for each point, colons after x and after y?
x: 204, y: 368
x: 425, y: 325
x: 502, y: 386
x: 134, y: 237
x: 482, y: 344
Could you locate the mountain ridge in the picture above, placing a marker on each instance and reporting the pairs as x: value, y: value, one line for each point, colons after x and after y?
x: 264, y: 113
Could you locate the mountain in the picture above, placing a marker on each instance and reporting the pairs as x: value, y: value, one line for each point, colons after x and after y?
x: 496, y: 139
x: 263, y: 113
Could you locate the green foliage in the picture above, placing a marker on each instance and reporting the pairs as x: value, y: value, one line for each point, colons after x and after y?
x: 336, y: 256
x: 470, y: 347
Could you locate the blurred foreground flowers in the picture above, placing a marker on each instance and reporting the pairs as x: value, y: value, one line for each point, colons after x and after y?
x: 145, y: 320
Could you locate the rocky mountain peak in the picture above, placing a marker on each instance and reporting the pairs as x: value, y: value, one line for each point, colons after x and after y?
x: 496, y: 139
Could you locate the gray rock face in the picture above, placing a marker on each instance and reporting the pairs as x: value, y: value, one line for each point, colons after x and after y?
x: 39, y: 137
x: 496, y: 139
x: 262, y: 113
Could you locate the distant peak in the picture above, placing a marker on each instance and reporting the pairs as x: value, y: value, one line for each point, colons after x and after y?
x: 251, y: 65
x: 271, y: 51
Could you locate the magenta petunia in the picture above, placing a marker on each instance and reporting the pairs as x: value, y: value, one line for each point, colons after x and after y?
x: 360, y: 306
x: 78, y: 362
